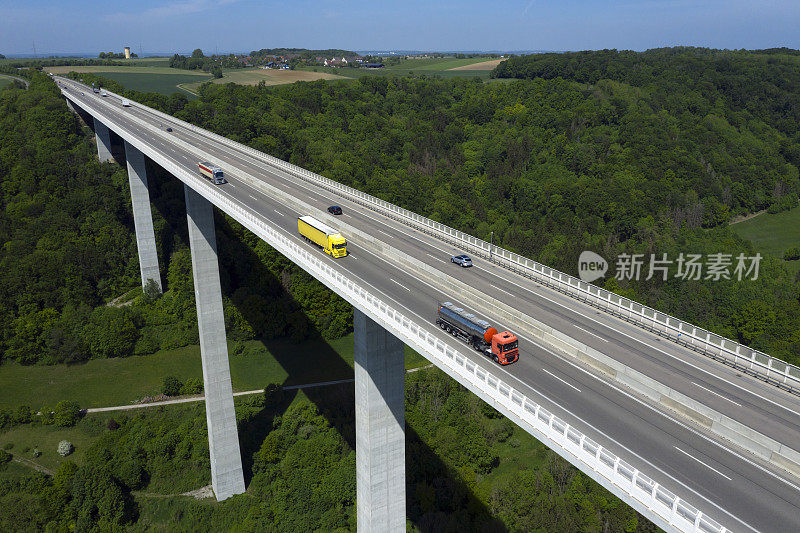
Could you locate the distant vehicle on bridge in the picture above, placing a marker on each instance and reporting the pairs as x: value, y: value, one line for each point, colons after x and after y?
x: 502, y: 347
x: 462, y: 260
x: 212, y: 172
x: 329, y: 239
x: 126, y: 102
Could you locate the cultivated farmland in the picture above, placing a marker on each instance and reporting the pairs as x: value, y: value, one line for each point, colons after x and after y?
x: 268, y: 76
x: 162, y: 79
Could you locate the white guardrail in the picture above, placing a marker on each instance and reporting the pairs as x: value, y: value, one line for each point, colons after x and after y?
x: 586, y: 454
x: 663, y: 507
x: 732, y: 353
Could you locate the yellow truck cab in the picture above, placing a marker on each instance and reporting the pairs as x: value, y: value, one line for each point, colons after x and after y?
x: 327, y: 238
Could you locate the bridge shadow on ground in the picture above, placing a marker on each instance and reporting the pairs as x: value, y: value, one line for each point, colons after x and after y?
x: 263, y: 299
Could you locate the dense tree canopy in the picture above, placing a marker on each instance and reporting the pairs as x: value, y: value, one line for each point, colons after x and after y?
x: 551, y: 167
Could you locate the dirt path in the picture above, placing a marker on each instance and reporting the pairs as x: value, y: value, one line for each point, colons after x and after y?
x: 31, y: 464
x: 483, y: 65
x: 200, y: 398
x: 25, y: 82
x: 198, y: 494
x: 740, y: 218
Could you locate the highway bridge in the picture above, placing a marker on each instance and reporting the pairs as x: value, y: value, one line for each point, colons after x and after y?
x: 695, y: 432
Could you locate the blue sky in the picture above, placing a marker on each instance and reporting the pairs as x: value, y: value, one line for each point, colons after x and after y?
x: 58, y: 26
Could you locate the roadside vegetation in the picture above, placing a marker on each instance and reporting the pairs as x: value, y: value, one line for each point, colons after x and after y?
x: 469, y: 469
x: 604, y: 161
x: 777, y: 234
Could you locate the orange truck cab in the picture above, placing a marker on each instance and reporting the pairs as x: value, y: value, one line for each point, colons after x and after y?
x: 505, y: 347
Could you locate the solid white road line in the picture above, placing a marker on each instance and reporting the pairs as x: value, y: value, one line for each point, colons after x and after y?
x: 678, y: 358
x: 590, y: 333
x: 600, y: 432
x: 702, y: 463
x: 561, y: 380
x: 716, y: 394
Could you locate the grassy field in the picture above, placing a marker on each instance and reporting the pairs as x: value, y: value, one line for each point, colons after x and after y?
x: 151, y: 61
x: 5, y: 81
x: 109, y: 382
x: 142, y: 77
x: 443, y: 67
x: 773, y: 234
x: 268, y: 76
x: 159, y: 83
x: 483, y: 65
x: 164, y: 70
x: 26, y: 437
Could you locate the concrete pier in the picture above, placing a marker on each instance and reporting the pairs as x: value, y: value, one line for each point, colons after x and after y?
x: 142, y: 216
x: 380, y: 427
x: 103, y: 138
x: 227, y: 477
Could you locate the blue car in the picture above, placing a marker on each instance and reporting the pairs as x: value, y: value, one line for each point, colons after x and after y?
x: 462, y: 260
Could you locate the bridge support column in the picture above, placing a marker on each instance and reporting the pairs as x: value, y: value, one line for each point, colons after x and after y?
x: 103, y: 139
x: 227, y: 477
x: 380, y: 427
x: 142, y: 216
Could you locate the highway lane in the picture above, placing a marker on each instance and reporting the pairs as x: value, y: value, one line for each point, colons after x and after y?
x: 752, y: 402
x: 698, y: 379
x: 622, y: 422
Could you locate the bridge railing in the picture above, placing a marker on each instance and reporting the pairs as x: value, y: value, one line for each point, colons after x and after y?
x: 727, y: 351
x: 664, y: 507
x: 599, y: 463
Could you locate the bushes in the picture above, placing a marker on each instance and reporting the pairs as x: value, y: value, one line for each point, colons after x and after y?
x: 66, y: 414
x: 792, y: 254
x: 22, y: 415
x: 172, y: 386
x: 273, y: 395
x: 65, y: 448
x: 192, y: 386
x: 5, y: 457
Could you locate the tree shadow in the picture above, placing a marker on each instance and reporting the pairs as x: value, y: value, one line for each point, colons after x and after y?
x: 253, y: 289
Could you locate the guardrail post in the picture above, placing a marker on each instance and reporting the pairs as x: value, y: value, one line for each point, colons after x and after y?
x: 227, y: 477
x: 103, y: 139
x: 380, y: 427
x: 142, y: 216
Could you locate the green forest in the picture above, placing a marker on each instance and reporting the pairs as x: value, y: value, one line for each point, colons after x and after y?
x: 469, y: 469
x: 617, y: 152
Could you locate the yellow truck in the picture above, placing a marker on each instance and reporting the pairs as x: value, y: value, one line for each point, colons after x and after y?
x: 330, y: 240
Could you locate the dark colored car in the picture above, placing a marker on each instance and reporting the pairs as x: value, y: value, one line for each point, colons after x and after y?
x: 462, y: 260
x: 335, y: 210
x: 169, y: 129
